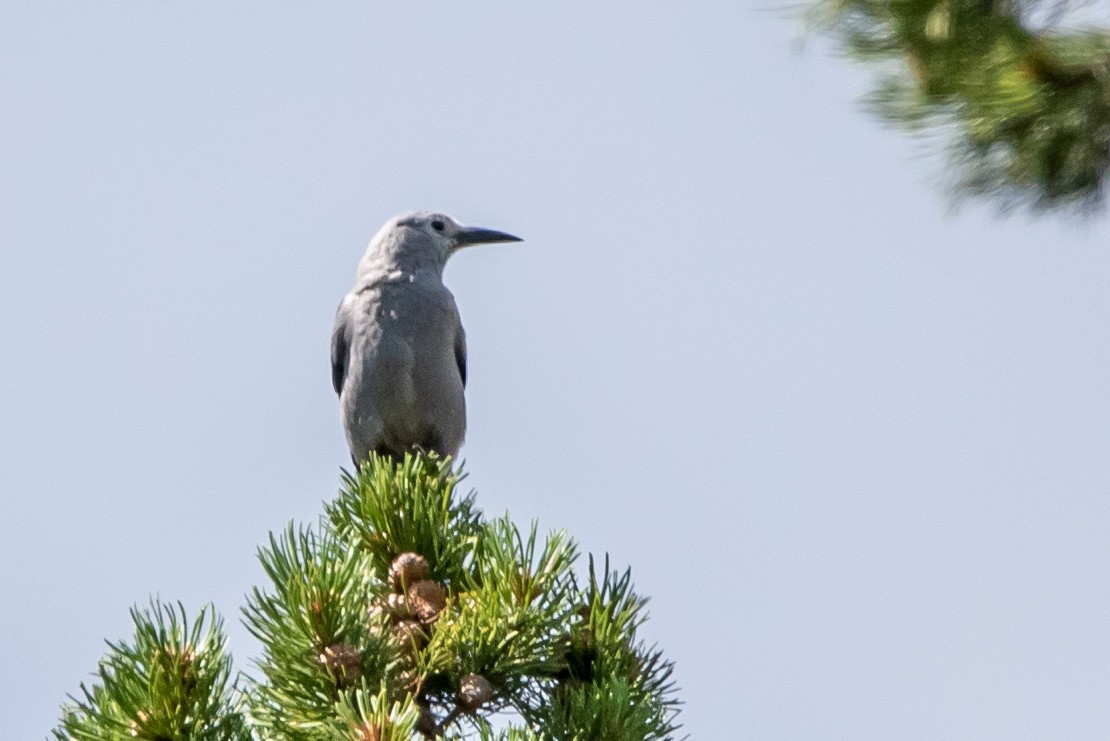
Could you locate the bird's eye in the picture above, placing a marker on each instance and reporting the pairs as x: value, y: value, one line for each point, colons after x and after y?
x: 437, y: 225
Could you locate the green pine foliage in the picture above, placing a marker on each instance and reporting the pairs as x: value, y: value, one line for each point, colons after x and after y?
x: 402, y: 614
x: 312, y: 625
x: 173, y: 682
x: 1024, y: 106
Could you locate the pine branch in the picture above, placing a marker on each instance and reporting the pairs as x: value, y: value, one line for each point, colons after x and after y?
x: 172, y: 682
x: 1025, y: 110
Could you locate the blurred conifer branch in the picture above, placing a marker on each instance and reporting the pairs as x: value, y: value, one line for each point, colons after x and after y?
x: 1021, y: 97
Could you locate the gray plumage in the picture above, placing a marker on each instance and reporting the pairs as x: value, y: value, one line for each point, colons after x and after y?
x: 398, y: 351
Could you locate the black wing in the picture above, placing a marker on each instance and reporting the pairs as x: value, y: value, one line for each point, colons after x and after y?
x: 340, y: 347
x: 460, y: 354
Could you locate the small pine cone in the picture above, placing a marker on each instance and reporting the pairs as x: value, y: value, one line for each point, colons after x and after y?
x: 409, y: 679
x: 186, y: 665
x: 399, y: 606
x: 410, y: 635
x: 474, y: 692
x: 427, y: 598
x: 369, y: 732
x: 343, y: 661
x: 407, y: 569
x: 137, y: 725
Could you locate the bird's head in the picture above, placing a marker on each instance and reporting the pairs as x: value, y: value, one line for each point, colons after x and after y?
x: 429, y: 236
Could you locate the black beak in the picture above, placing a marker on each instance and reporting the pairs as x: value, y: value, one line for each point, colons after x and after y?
x: 468, y: 235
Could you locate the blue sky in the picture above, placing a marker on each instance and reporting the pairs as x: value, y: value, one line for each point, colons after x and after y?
x: 852, y: 444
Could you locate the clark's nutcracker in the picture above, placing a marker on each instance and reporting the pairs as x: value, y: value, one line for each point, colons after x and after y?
x: 398, y: 352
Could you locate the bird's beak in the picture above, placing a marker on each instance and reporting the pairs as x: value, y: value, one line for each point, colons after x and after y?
x: 468, y: 235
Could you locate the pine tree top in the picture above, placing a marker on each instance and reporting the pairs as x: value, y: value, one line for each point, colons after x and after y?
x: 403, y: 613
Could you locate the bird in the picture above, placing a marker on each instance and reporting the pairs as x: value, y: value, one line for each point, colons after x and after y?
x: 398, y: 350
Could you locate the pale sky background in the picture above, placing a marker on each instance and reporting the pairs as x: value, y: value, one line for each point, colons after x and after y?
x: 852, y: 445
